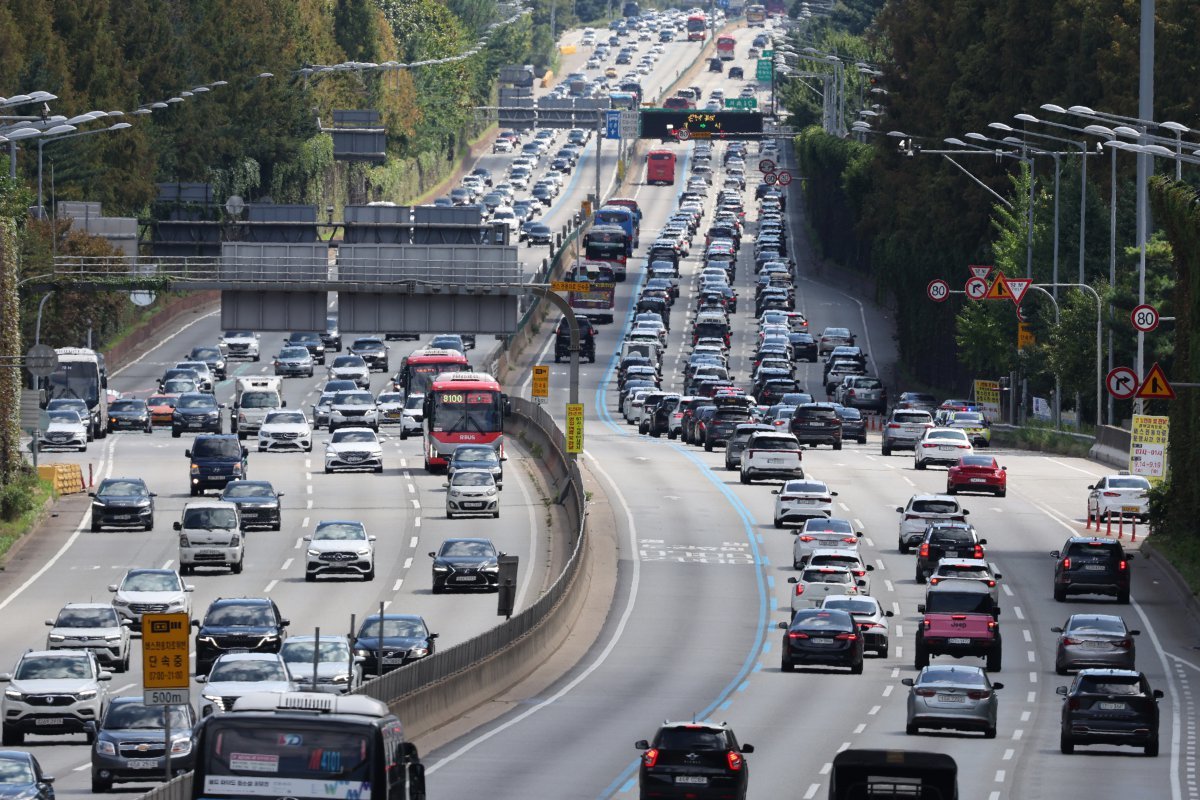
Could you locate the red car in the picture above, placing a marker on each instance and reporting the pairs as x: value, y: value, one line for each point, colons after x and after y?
x: 976, y: 473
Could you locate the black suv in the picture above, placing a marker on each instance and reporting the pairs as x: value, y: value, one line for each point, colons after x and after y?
x: 587, y: 339
x: 238, y: 624
x: 660, y: 420
x: 1090, y: 565
x: 215, y: 460
x: 1109, y: 706
x: 122, y: 502
x: 196, y: 412
x: 693, y: 759
x: 817, y: 423
x: 373, y: 351
x: 723, y: 425
x: 332, y: 337
x: 310, y: 339
x: 947, y: 540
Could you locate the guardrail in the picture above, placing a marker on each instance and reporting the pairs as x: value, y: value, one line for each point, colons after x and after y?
x: 430, y: 693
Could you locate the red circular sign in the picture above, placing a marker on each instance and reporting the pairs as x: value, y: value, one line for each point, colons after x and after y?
x: 766, y: 165
x: 1122, y: 383
x: 1144, y: 318
x: 938, y: 290
x: 785, y: 177
x: 976, y: 288
x: 682, y: 134
x: 770, y: 178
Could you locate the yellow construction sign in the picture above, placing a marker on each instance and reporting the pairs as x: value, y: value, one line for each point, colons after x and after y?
x: 574, y: 427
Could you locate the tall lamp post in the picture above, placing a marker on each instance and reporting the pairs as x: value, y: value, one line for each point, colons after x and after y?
x: 57, y: 135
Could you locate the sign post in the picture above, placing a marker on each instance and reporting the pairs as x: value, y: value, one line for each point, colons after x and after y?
x: 541, y: 384
x: 166, y: 666
x: 574, y: 428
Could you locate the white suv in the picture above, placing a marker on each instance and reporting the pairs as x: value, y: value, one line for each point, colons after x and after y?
x: 285, y: 430
x: 923, y: 509
x: 53, y: 692
x: 95, y: 627
x: 771, y: 455
x: 340, y: 548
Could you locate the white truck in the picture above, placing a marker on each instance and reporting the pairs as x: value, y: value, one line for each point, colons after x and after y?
x: 252, y: 399
x: 210, y: 535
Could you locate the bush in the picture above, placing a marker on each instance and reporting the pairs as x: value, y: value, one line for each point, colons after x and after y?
x: 16, y: 498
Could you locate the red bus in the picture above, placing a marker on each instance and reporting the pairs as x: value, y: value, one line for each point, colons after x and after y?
x: 660, y: 167
x: 422, y: 367
x: 608, y: 244
x: 697, y: 28
x: 725, y: 45
x: 462, y: 408
x: 599, y: 302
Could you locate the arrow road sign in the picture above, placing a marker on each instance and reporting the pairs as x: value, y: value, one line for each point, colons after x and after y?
x: 938, y: 290
x: 980, y: 271
x: 976, y: 288
x: 1144, y: 318
x: 785, y: 177
x: 1017, y: 288
x: 1122, y: 383
x: 1156, y: 386
x: 766, y: 165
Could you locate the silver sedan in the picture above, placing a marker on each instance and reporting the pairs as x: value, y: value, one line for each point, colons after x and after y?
x: 1094, y: 640
x: 955, y: 697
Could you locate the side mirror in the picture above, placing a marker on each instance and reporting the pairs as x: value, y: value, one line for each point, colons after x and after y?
x: 641, y: 744
x: 1091, y: 486
x: 793, y: 580
x: 50, y: 623
x: 177, y: 526
x: 285, y: 622
x: 774, y: 491
x: 834, y: 494
x: 112, y: 587
x: 372, y: 538
x: 245, y: 452
x: 1158, y: 694
x: 279, y: 494
x: 869, y: 567
x: 966, y: 511
x: 1129, y: 556
x: 1055, y: 554
x: 997, y: 685
x: 202, y: 679
x: 187, y: 453
x: 433, y: 635
x: 997, y: 576
x: 432, y: 554
x: 126, y: 623
x: 50, y: 778
x: 983, y: 541
x: 104, y: 675
x: 1135, y: 632
x: 888, y: 614
x: 907, y: 681
x: 154, y: 494
x: 1004, y: 469
x: 91, y: 494
x: 859, y: 534
x: 747, y: 748
x: 1056, y: 629
x: 899, y: 510
x: 308, y: 538
x: 283, y: 403
x: 861, y: 583
x: 195, y: 623
x: 920, y: 608
x: 783, y: 626
x: 446, y: 485
x: 1061, y: 690
x: 187, y: 587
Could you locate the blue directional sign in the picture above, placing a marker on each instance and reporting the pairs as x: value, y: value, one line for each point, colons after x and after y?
x: 612, y: 124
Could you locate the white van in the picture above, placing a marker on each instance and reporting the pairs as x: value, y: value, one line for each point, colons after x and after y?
x: 210, y: 535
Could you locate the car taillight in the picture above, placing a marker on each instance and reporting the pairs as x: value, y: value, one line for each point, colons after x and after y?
x: 1073, y: 703
x: 799, y: 589
x: 850, y: 393
x: 859, y: 572
x: 807, y: 538
x: 928, y: 444
x: 1066, y: 563
x: 978, y: 551
x: 991, y: 583
x: 923, y: 692
x: 979, y: 694
x: 789, y: 499
x: 934, y: 581
x: 1122, y: 566
x: 925, y: 624
x: 893, y: 426
x: 963, y: 446
x: 1125, y: 643
x: 958, y: 616
x: 846, y: 637
x: 797, y: 635
x: 1112, y: 494
x: 992, y: 625
x: 924, y: 553
x: 650, y: 757
x: 911, y: 516
x: 734, y: 759
x: 825, y: 499
x: 849, y: 540
x: 1070, y: 642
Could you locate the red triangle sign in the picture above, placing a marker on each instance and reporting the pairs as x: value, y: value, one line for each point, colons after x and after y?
x: 1017, y: 287
x: 1156, y: 386
x: 980, y: 271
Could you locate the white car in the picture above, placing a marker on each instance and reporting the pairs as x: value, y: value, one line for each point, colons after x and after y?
x: 336, y: 672
x: 871, y: 619
x: 239, y: 344
x: 847, y: 557
x: 155, y: 591
x: 507, y: 216
x: 771, y: 455
x: 1120, y: 495
x: 350, y: 368
x: 502, y: 146
x: 797, y: 501
x: 941, y: 446
x: 236, y: 674
x: 91, y: 626
x: 633, y: 404
x: 65, y: 429
x: 519, y: 177
x: 353, y: 448
x: 816, y: 583
x: 413, y: 423
x: 285, y: 430
x: 472, y: 491
x: 823, y: 532
x: 970, y: 569
x: 390, y: 406
x: 353, y: 409
x: 53, y: 692
x: 340, y: 548
x: 923, y: 509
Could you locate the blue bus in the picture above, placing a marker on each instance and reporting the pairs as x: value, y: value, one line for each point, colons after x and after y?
x: 623, y: 217
x: 623, y: 100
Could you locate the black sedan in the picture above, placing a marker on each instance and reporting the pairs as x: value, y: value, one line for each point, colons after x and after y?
x: 129, y: 415
x: 21, y: 776
x: 122, y: 503
x: 400, y: 638
x: 804, y: 346
x: 538, y: 233
x: 465, y: 564
x: 212, y: 356
x: 257, y: 502
x: 822, y: 636
x: 1109, y: 706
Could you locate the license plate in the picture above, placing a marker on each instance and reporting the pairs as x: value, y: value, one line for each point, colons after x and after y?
x: 695, y: 780
x: 946, y: 449
x: 193, y: 425
x: 803, y: 502
x: 1130, y: 508
x: 210, y: 553
x: 122, y: 516
x: 1094, y: 567
x: 1112, y: 706
x: 959, y: 641
x: 774, y: 460
x: 393, y: 415
x: 472, y: 505
x: 951, y: 698
x: 464, y: 578
x: 978, y: 480
x: 393, y: 661
x: 143, y: 763
x: 49, y: 721
x: 1095, y: 645
x: 821, y: 640
x: 950, y: 554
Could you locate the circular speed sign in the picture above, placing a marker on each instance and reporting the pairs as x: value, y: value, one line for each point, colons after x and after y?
x: 1144, y: 318
x: 938, y: 290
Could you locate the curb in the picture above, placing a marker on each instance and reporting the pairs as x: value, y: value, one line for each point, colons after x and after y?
x: 1187, y: 599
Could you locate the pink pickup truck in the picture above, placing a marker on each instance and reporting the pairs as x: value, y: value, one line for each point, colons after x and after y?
x: 959, y: 619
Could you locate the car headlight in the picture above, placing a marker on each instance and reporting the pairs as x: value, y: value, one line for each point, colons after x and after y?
x: 195, y: 467
x: 440, y: 568
x: 241, y: 417
x: 362, y: 652
x: 181, y: 747
x: 206, y: 640
x: 86, y: 694
x: 344, y: 678
x: 364, y: 552
x: 237, y: 469
x: 491, y: 491
x: 120, y: 601
x: 13, y: 694
x: 490, y: 568
x: 57, y: 637
x: 419, y: 652
x: 106, y: 748
x: 213, y: 698
x: 98, y: 504
x: 314, y: 553
x: 109, y: 637
x: 143, y: 503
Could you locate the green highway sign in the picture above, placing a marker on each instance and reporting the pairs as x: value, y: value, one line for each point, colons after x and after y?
x: 766, y: 69
x: 742, y: 103
x: 768, y: 53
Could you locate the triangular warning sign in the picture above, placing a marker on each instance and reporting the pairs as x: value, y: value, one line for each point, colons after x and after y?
x: 999, y: 289
x: 1017, y: 287
x: 980, y: 271
x: 1155, y: 386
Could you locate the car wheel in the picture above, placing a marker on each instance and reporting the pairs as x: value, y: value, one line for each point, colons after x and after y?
x: 882, y: 652
x: 195, y: 491
x: 707, y: 446
x: 236, y: 569
x: 90, y: 737
x: 1065, y: 744
x: 186, y: 569
x: 328, y: 470
x: 495, y: 515
x: 786, y: 665
x: 778, y: 522
x: 95, y: 527
x: 1152, y: 747
x: 438, y: 588
x: 918, y: 464
x: 911, y: 729
x: 887, y: 451
x: 837, y: 445
x: 277, y: 526
x: 369, y: 576
x: 12, y: 737
x: 149, y: 526
x: 100, y: 786
x: 309, y: 448
x: 903, y: 547
x: 1060, y: 594
x: 1123, y: 597
x: 175, y: 434
x: 672, y: 434
x: 449, y: 515
x: 921, y: 659
x: 990, y: 732
x: 1001, y: 493
x: 403, y: 434
x: 379, y: 469
x: 857, y: 667
x: 1060, y: 668
x: 745, y: 478
x: 125, y: 663
x: 310, y: 577
x: 920, y: 576
x: 862, y: 440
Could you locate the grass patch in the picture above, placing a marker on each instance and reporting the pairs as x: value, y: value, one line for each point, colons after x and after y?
x: 34, y: 493
x: 1042, y: 439
x: 1182, y: 551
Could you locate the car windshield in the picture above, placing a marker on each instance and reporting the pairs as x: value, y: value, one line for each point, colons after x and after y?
x: 773, y: 443
x: 834, y: 620
x: 239, y: 489
x: 221, y: 448
x: 342, y: 531
x: 950, y: 536
x: 691, y: 739
x: 1128, y: 483
x: 414, y: 401
x: 294, y: 352
x: 389, y: 397
x: 968, y: 418
x: 367, y: 344
x: 259, y: 400
x: 911, y: 418
x: 355, y: 437
x: 1130, y: 685
x: 354, y: 399
x: 122, y: 488
x: 14, y: 772
x: 825, y: 576
x: 472, y: 478
x: 392, y: 627
x: 151, y: 582
x: 87, y: 618
x: 205, y: 353
x: 805, y: 487
x: 952, y: 676
x: 240, y: 616
x: 210, y: 518
x: 977, y: 461
x: 829, y: 525
x: 944, y: 507
x: 286, y: 418
x: 958, y: 602
x: 855, y: 605
x: 65, y: 416
x: 1086, y: 623
x: 235, y: 671
x: 348, y: 361
x: 120, y: 406
x: 475, y: 455
x: 198, y: 401
x: 136, y: 716
x: 335, y: 652
x: 468, y: 550
x: 239, y: 335
x: 963, y: 570
x: 161, y: 400
x: 43, y: 668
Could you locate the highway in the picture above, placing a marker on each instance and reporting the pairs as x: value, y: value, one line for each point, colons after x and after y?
x: 403, y: 507
x: 702, y: 584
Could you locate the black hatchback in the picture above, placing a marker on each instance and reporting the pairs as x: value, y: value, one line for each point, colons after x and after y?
x: 1109, y: 706
x: 1091, y: 565
x: 693, y: 760
x: 822, y: 636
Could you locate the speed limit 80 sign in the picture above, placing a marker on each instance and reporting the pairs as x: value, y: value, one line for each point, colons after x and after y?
x: 1144, y: 318
x: 938, y: 290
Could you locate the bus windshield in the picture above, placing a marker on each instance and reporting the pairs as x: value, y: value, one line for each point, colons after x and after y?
x: 77, y: 380
x: 308, y: 760
x: 421, y: 376
x: 468, y: 410
x: 606, y: 245
x: 893, y: 775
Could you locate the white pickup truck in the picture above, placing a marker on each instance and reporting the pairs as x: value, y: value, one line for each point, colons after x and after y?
x: 771, y: 455
x: 252, y: 399
x: 817, y: 583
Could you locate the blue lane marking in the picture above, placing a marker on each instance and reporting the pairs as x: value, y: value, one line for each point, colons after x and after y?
x: 628, y: 786
x: 770, y: 581
x: 766, y: 647
x: 725, y: 706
